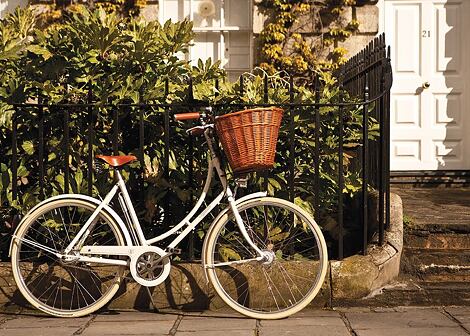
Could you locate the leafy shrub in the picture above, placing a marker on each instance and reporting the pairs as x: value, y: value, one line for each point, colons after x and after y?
x: 129, y: 61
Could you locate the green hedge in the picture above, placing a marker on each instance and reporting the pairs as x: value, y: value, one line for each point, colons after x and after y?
x: 127, y: 60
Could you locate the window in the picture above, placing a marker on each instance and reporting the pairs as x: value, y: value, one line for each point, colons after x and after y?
x: 223, y: 30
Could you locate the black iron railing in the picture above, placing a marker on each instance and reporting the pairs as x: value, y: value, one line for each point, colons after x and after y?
x: 365, y: 80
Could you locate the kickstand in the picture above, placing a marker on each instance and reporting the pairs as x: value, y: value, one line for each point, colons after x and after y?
x: 151, y: 298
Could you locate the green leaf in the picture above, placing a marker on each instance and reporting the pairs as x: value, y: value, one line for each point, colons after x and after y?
x: 228, y: 254
x: 38, y: 50
x: 28, y: 147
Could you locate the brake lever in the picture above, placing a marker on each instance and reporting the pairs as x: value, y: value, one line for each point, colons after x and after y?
x: 198, y: 130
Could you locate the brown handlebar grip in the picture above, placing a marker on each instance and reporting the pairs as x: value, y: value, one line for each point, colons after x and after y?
x: 187, y: 116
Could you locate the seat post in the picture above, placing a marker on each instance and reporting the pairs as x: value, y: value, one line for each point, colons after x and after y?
x: 130, y: 207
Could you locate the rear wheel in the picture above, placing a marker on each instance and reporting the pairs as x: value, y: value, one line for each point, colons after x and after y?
x: 290, y: 275
x: 65, y: 288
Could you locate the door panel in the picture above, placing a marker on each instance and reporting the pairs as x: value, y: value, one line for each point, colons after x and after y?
x: 407, y: 25
x: 238, y: 13
x: 430, y: 114
x: 448, y: 33
x: 206, y: 45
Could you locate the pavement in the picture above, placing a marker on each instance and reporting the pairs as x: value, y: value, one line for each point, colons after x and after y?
x: 399, y: 321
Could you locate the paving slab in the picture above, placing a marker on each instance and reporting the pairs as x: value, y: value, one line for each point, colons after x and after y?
x: 305, y: 330
x: 462, y: 314
x: 303, y: 321
x: 392, y: 320
x: 61, y: 331
x: 133, y: 316
x: 317, y: 313
x: 220, y: 324
x: 216, y: 333
x: 4, y: 317
x: 229, y: 313
x: 128, y: 328
x: 36, y: 323
x: 445, y: 331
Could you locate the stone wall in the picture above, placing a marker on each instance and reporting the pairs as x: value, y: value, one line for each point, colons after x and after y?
x: 150, y: 11
x: 368, y: 17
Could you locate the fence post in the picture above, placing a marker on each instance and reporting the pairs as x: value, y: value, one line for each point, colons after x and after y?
x: 317, y: 149
x: 382, y: 150
x: 90, y: 138
x: 387, y: 147
x: 116, y: 130
x: 166, y: 155
x: 41, y: 146
x: 190, y: 168
x: 365, y: 166
x: 141, y: 147
x: 265, y: 100
x: 14, y: 155
x: 66, y: 151
x: 340, y: 169
x: 291, y: 140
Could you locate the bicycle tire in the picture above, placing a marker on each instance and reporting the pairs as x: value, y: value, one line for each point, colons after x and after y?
x: 240, y: 286
x: 29, y: 263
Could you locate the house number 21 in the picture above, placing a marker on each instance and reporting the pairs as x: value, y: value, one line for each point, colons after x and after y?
x: 426, y: 33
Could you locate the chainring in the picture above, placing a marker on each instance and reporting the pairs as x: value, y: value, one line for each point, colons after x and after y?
x: 147, y: 266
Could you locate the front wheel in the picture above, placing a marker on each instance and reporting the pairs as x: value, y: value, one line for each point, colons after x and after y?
x: 290, y: 275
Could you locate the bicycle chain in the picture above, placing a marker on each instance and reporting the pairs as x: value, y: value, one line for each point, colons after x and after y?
x: 102, y: 271
x: 127, y: 267
x: 123, y: 277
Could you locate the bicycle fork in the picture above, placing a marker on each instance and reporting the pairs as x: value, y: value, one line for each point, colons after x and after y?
x: 241, y: 225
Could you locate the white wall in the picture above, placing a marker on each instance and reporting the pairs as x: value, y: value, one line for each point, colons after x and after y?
x: 8, y: 6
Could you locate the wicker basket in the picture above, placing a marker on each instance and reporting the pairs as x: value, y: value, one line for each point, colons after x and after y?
x: 249, y: 138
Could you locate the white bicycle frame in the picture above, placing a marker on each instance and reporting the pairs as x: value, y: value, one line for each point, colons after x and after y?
x: 134, y: 228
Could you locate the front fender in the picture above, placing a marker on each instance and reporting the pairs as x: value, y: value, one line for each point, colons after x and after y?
x: 223, y: 212
x: 107, y: 208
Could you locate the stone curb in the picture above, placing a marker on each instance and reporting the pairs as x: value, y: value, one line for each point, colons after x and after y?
x: 186, y: 289
x: 358, y: 276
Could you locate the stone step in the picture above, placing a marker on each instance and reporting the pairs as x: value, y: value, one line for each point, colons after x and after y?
x: 416, y: 293
x: 437, y: 265
x: 455, y: 277
x: 437, y: 241
x: 432, y: 210
x: 434, y: 179
x: 438, y: 257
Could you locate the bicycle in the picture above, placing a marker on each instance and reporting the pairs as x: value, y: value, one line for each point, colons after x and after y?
x: 70, y: 252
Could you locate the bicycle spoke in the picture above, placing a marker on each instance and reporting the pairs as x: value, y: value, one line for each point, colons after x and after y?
x: 65, y: 285
x: 288, y: 251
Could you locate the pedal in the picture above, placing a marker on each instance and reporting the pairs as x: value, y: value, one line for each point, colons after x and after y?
x: 174, y: 251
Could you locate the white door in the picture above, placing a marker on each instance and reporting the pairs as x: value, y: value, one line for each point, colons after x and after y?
x: 430, y: 101
x: 223, y: 30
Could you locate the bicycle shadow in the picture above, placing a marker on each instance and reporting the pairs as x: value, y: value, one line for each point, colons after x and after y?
x: 186, y: 289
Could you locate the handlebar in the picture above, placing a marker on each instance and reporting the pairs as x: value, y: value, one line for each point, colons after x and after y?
x: 204, y: 116
x: 187, y: 116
